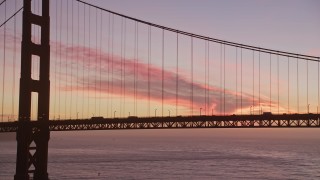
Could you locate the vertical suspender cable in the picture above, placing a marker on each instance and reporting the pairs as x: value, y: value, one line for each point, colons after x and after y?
x: 237, y: 99
x: 4, y: 60
x: 149, y: 75
x: 208, y: 56
x: 89, y: 66
x: 71, y: 60
x: 55, y: 64
x: 224, y: 79
x: 66, y: 63
x: 236, y: 78
x: 241, y: 79
x: 260, y: 109
x: 149, y: 59
x: 252, y: 82
x: 121, y: 65
x: 220, y: 79
x: 77, y: 63
x: 109, y: 45
x: 318, y: 90
x: 208, y: 82
x: 208, y: 107
x: 177, y: 75
x: 14, y: 64
x: 112, y: 59
x: 208, y: 77
x: 95, y: 63
x: 83, y: 59
x: 134, y: 67
x: 124, y: 66
x: 270, y: 82
x: 100, y: 65
x: 191, y: 75
x: 137, y: 82
x: 308, y: 86
x: 60, y: 66
x: 162, y: 94
x: 278, y: 83
x: 297, y: 85
x: 205, y: 76
x: 288, y: 86
x: 137, y: 68
x: 121, y: 61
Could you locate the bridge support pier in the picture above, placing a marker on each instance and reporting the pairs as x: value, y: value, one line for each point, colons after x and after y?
x: 32, y: 140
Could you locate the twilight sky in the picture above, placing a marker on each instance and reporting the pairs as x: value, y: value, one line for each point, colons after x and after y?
x: 289, y: 25
x: 105, y: 72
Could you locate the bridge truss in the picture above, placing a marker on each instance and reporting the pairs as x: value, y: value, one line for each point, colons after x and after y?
x: 233, y: 121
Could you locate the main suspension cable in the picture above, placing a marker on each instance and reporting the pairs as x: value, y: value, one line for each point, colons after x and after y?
x: 10, y: 17
x: 248, y: 47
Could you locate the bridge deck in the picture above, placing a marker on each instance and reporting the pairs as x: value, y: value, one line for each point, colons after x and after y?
x: 233, y: 121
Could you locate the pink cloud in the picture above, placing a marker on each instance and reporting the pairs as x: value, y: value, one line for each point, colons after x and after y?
x: 113, y: 64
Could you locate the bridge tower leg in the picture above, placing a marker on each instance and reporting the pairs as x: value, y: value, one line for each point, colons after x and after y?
x: 32, y: 140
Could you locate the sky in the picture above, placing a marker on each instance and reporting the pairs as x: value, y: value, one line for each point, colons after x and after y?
x: 288, y: 25
x: 100, y: 68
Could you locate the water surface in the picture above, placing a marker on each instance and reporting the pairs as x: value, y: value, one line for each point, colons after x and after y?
x: 177, y: 154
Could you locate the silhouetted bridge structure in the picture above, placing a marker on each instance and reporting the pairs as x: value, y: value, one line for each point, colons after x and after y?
x: 232, y: 121
x: 91, y: 75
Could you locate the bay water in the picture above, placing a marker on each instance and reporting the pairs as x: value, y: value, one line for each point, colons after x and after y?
x: 177, y: 154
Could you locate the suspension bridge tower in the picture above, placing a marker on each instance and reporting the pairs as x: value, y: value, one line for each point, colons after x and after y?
x: 33, y: 137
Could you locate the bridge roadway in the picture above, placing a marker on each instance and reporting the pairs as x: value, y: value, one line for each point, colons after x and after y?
x: 230, y: 121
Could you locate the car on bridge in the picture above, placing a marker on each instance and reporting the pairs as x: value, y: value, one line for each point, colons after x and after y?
x: 97, y: 118
x: 132, y: 117
x: 267, y: 113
